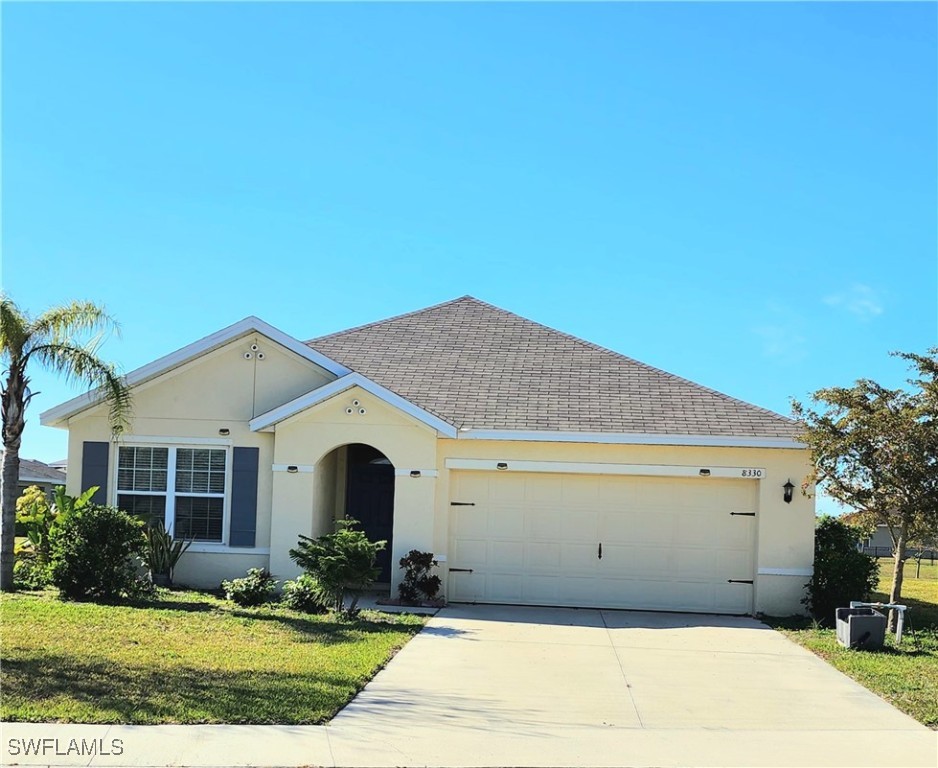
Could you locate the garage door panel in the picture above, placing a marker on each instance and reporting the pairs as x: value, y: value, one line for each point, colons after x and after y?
x: 506, y: 554
x: 543, y: 590
x: 467, y: 587
x: 470, y: 522
x: 544, y: 522
x: 543, y: 555
x: 471, y: 553
x: 505, y: 588
x: 506, y: 522
x: 667, y: 543
x: 580, y: 525
x: 578, y: 558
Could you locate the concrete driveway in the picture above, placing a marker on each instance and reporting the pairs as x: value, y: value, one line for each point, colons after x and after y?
x: 491, y: 685
x: 504, y: 686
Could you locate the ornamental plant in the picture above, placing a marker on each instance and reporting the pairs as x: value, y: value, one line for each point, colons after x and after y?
x: 340, y: 562
x: 418, y: 583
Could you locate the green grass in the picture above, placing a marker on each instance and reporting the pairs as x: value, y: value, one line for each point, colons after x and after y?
x: 185, y: 657
x: 905, y: 674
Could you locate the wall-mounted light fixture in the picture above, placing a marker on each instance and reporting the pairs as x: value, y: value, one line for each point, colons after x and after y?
x: 502, y: 465
x: 224, y: 431
x: 704, y: 473
x: 293, y: 469
x: 789, y: 488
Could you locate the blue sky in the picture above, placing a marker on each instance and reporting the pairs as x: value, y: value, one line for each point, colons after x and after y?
x: 742, y: 194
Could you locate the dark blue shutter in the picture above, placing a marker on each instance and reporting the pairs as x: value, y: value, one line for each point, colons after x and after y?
x: 243, y: 497
x: 94, y: 469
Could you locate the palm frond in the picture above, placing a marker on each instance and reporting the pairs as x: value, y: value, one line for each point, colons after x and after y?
x: 80, y: 364
x: 14, y: 328
x: 63, y: 324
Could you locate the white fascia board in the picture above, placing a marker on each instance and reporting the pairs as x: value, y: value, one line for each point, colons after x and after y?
x: 316, y: 396
x: 57, y: 415
x: 597, y: 468
x: 636, y: 438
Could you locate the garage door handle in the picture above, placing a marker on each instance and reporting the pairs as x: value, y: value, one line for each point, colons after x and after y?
x: 744, y: 514
x: 599, y: 554
x: 460, y: 570
x: 739, y: 581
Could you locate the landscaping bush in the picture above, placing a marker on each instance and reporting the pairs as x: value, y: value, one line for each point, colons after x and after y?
x: 94, y: 554
x: 29, y: 572
x: 340, y: 562
x: 841, y: 572
x: 418, y: 583
x: 162, y: 553
x: 304, y: 594
x: 254, y: 589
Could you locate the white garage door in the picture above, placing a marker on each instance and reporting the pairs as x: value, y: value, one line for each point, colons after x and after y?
x: 658, y: 543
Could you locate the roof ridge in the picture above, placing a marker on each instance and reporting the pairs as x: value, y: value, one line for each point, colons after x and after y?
x: 364, y: 326
x: 646, y: 366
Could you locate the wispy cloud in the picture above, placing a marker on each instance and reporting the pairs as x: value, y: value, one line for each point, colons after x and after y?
x: 782, y: 343
x: 859, y: 300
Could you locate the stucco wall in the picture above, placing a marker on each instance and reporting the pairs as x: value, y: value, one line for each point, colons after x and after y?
x: 219, y: 390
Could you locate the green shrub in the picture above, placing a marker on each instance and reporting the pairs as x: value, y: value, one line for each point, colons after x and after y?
x: 254, y: 589
x: 304, y: 594
x: 340, y: 562
x: 418, y: 584
x: 29, y: 572
x: 95, y: 553
x: 841, y: 572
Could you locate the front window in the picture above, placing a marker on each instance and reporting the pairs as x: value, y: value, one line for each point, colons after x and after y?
x: 182, y: 487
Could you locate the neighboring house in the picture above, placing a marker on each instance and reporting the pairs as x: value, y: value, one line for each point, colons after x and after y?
x: 880, y: 545
x: 540, y: 469
x: 34, y: 472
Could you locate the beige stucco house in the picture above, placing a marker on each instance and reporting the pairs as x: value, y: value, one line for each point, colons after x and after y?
x: 539, y: 468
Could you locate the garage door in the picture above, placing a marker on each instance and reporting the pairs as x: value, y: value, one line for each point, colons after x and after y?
x: 657, y: 543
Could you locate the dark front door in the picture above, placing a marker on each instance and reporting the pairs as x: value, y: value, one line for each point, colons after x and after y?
x: 370, y: 500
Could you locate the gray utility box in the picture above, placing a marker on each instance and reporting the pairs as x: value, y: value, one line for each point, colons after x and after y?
x: 861, y: 628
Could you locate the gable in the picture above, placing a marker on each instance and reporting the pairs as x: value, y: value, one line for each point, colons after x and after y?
x: 284, y: 368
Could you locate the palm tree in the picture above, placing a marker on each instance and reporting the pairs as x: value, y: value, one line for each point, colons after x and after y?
x: 57, y: 340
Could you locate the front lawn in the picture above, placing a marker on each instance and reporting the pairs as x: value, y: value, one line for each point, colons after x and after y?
x: 907, y: 674
x: 185, y: 657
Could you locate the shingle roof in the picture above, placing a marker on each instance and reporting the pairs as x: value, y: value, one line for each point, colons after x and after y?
x: 478, y: 366
x: 33, y: 470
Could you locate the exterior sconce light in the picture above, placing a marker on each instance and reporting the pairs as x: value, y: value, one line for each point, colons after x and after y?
x: 502, y: 465
x: 293, y: 469
x: 789, y: 487
x: 224, y: 431
x: 704, y: 473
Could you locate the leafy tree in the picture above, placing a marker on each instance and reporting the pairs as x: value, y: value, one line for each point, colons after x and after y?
x: 64, y: 340
x: 876, y: 449
x: 340, y: 562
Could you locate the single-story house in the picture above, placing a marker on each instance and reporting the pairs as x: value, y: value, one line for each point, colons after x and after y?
x: 35, y: 472
x: 539, y: 468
